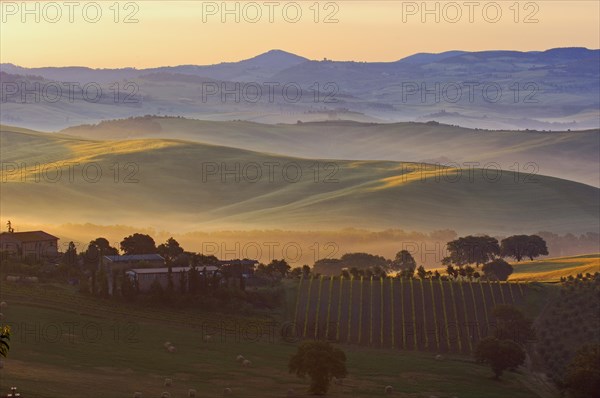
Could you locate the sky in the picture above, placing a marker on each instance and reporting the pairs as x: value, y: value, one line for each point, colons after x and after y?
x: 148, y: 33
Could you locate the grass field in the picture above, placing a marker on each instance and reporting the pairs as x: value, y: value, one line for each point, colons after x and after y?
x: 65, y: 345
x: 552, y: 269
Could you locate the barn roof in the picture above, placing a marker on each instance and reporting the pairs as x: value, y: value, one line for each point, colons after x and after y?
x: 29, y: 236
x: 134, y: 257
x: 174, y: 270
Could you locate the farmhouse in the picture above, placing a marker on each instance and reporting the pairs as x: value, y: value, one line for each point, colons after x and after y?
x: 117, y: 263
x: 32, y: 244
x: 146, y: 276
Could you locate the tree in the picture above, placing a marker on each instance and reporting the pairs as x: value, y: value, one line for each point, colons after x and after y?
x: 4, y: 340
x: 70, y: 256
x: 519, y: 246
x: 138, y: 244
x: 499, y: 354
x: 170, y: 250
x: 497, y: 269
x: 582, y: 375
x: 472, y: 250
x: 182, y: 282
x: 511, y: 324
x: 102, y: 279
x: 104, y: 245
x: 403, y: 261
x: 128, y: 290
x: 362, y: 261
x: 305, y: 271
x: 193, y: 280
x: 451, y: 271
x: 321, y: 362
x: 280, y: 266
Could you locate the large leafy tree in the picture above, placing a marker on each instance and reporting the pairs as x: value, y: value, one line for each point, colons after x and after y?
x: 497, y: 269
x: 97, y: 248
x: 511, y: 324
x: 582, y: 375
x: 520, y: 246
x: 472, y: 250
x: 404, y: 261
x: 170, y: 250
x: 321, y: 362
x: 499, y: 354
x: 280, y: 266
x: 138, y: 244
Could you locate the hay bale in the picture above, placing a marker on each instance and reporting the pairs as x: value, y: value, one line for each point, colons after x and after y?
x: 168, y: 382
x: 191, y: 393
x: 240, y: 358
x: 246, y: 363
x: 389, y: 390
x: 227, y: 391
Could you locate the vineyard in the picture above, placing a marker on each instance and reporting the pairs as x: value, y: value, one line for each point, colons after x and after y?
x: 411, y: 314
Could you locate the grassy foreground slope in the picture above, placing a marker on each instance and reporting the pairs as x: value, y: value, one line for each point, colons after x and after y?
x: 162, y: 180
x: 568, y: 155
x: 71, y: 346
x: 552, y: 269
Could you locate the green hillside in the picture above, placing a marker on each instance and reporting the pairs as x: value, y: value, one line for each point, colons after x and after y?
x: 118, y: 349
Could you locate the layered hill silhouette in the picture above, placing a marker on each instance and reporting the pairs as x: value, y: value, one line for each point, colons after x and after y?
x: 567, y: 155
x: 554, y: 89
x: 184, y: 185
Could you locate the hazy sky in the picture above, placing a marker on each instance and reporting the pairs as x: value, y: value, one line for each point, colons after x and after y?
x: 193, y: 32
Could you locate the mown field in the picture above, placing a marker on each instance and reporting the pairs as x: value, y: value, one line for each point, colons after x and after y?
x: 404, y: 314
x: 67, y: 345
x: 552, y: 269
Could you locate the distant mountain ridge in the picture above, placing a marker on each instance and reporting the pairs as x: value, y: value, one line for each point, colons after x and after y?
x: 555, y: 89
x: 279, y: 59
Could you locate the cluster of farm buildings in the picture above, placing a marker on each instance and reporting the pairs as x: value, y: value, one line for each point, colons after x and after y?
x: 142, y: 268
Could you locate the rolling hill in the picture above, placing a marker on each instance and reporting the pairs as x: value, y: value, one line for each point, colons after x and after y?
x: 552, y: 269
x: 567, y: 155
x: 185, y: 186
